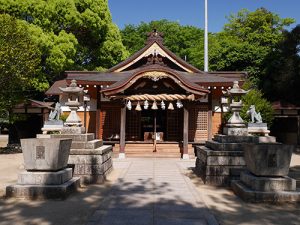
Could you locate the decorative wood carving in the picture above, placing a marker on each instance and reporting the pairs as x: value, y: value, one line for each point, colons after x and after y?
x: 155, y: 75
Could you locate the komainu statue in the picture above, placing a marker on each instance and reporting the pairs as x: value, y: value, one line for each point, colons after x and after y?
x: 55, y: 114
x: 255, y: 117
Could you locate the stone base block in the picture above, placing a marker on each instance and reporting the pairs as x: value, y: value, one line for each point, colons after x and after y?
x: 185, y: 156
x: 232, y: 139
x: 3, y: 140
x: 76, y: 137
x: 87, y: 144
x: 250, y: 195
x: 122, y: 156
x: 218, y: 168
x: 236, y: 131
x: 34, y: 192
x: 243, y: 139
x: 217, y: 146
x: 95, y: 178
x: 45, y: 178
x: 268, y: 183
x: 73, y: 130
x: 220, y: 158
x: 92, y: 166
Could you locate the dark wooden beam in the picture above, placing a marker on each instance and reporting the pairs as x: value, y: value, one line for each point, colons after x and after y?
x: 209, y: 128
x: 98, y: 113
x: 185, y: 133
x: 122, y: 132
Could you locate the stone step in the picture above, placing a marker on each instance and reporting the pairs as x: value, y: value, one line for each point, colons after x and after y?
x: 76, y: 137
x: 151, y: 155
x: 97, y: 151
x: 87, y: 145
x: 217, y: 146
x: 243, y: 139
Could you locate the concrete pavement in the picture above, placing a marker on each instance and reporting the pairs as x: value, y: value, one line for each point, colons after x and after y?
x: 153, y: 191
x: 155, y: 196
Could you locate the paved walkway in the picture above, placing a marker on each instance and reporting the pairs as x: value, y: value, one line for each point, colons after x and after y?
x: 152, y: 191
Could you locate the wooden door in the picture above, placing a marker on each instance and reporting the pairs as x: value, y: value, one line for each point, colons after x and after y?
x: 133, y: 125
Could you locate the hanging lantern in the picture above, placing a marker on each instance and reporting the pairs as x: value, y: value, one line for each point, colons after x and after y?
x: 163, y: 105
x: 138, y: 107
x: 154, y: 106
x: 179, y: 104
x: 146, y: 104
x: 171, y: 107
x: 129, y: 106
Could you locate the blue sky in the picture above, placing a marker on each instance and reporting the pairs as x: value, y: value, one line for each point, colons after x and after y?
x: 191, y: 12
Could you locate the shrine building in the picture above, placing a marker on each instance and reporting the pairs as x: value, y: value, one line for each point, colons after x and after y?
x: 152, y: 99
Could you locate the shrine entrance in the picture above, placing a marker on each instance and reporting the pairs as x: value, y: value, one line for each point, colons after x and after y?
x: 155, y: 108
x: 149, y: 125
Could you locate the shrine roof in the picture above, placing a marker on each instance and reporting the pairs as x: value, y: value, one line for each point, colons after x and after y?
x: 54, y: 89
x: 154, y: 45
x: 153, y: 57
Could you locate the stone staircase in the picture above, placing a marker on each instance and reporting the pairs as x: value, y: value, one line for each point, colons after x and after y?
x: 163, y: 150
x: 91, y: 159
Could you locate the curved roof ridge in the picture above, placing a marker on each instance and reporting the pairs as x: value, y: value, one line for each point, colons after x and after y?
x: 164, y: 48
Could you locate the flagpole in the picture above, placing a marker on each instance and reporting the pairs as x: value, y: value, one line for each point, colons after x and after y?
x: 206, y: 39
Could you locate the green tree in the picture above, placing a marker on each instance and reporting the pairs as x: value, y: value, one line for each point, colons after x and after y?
x: 246, y: 41
x: 282, y: 73
x: 73, y: 34
x: 19, y: 63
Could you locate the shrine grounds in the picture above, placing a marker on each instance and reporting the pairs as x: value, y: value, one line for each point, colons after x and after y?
x: 85, y: 206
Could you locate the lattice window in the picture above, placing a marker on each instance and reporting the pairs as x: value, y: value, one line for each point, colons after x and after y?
x: 133, y: 125
x: 202, y: 120
x: 198, y: 123
x: 110, y: 120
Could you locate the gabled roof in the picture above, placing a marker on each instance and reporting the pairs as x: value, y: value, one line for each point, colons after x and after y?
x: 154, y: 46
x: 54, y: 89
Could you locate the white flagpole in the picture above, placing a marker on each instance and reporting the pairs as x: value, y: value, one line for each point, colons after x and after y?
x: 206, y: 39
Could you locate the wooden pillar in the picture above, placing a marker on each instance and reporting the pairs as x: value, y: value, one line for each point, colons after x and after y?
x: 98, y: 114
x: 185, y: 152
x: 122, y: 132
x: 154, y: 133
x: 209, y: 124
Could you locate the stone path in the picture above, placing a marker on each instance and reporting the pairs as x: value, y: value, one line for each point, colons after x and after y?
x: 153, y: 192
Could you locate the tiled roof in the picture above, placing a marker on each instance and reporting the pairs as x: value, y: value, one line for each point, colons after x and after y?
x: 54, y: 89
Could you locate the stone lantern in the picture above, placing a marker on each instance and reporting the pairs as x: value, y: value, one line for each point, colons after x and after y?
x: 235, y: 125
x: 74, y: 93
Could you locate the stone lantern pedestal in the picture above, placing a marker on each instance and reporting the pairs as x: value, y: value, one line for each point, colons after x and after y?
x: 222, y: 159
x: 90, y: 159
x: 46, y: 175
x: 266, y: 177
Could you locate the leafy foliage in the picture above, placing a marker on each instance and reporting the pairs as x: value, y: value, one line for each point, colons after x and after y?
x: 19, y: 63
x: 246, y: 41
x: 72, y: 34
x: 282, y: 73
